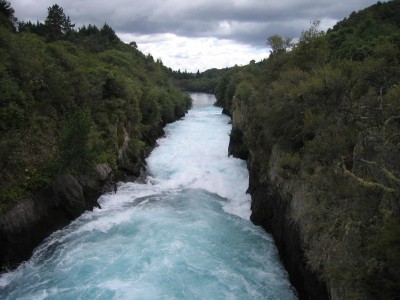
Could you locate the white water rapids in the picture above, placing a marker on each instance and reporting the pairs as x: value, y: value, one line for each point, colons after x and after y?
x: 185, y: 234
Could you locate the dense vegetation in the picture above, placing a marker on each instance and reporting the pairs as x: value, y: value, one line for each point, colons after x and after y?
x: 72, y: 99
x: 322, y: 116
x: 205, y: 82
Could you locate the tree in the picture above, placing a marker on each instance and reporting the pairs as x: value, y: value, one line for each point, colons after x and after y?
x: 68, y: 27
x: 38, y: 28
x: 279, y: 44
x: 312, y: 48
x: 109, y: 33
x: 133, y: 44
x: 58, y: 26
x: 7, y: 14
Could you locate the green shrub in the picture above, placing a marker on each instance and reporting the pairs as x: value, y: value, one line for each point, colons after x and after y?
x: 76, y: 151
x: 289, y: 165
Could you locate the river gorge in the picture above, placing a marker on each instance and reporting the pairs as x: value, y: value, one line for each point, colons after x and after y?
x: 183, y: 234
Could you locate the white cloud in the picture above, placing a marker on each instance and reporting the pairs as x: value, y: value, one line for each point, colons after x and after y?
x: 194, y: 54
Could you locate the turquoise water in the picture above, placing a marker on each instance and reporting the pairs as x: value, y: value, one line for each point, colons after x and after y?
x: 185, y: 234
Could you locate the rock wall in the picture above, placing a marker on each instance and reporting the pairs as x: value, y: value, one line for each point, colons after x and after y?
x: 272, y: 211
x: 23, y: 227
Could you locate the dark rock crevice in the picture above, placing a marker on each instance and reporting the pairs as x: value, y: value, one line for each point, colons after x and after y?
x: 236, y: 145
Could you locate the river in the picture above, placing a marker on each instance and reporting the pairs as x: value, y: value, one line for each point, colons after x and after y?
x: 185, y: 234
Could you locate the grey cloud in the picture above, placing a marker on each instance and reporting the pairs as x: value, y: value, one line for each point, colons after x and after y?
x: 252, y: 21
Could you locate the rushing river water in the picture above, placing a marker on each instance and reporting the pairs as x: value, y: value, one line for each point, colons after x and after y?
x: 185, y: 234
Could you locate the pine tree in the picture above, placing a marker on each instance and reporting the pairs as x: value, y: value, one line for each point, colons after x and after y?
x: 58, y: 26
x: 7, y: 17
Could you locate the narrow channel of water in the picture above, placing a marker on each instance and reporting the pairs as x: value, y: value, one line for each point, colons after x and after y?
x: 185, y: 234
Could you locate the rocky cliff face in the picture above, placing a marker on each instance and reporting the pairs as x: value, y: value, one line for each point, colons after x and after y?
x: 31, y: 220
x: 271, y: 208
x: 272, y: 212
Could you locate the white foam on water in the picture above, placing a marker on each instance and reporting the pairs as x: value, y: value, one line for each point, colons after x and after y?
x: 194, y: 155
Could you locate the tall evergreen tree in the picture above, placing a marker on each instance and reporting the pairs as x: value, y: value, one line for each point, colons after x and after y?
x: 7, y: 17
x: 109, y: 34
x: 58, y: 26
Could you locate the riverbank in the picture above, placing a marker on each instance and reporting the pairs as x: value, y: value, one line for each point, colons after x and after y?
x: 31, y: 220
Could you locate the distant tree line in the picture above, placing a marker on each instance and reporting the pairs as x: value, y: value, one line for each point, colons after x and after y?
x: 206, y: 81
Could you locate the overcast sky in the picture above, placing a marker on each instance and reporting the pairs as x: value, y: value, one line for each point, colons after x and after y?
x: 198, y: 34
